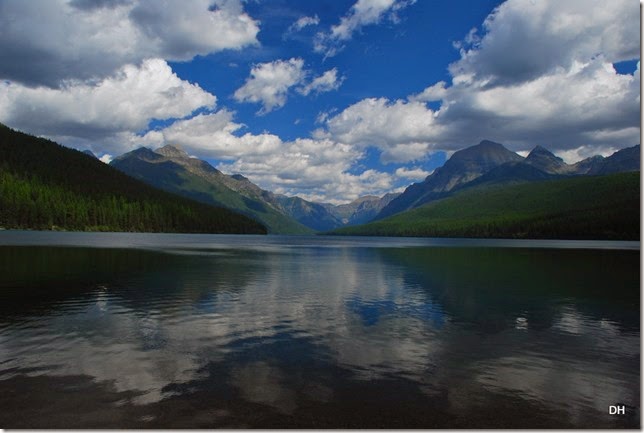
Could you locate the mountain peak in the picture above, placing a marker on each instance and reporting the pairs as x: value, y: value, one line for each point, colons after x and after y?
x: 540, y: 150
x: 462, y: 167
x: 239, y: 177
x: 170, y: 151
x: 90, y: 153
x: 140, y: 153
x: 486, y: 152
x: 546, y: 161
x: 489, y: 143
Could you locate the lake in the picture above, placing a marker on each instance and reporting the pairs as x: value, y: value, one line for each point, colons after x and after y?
x: 122, y: 330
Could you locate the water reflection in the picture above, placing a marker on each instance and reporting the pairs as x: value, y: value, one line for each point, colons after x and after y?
x: 319, y: 337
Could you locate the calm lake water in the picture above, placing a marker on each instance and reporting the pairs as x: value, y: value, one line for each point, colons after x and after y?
x: 181, y: 331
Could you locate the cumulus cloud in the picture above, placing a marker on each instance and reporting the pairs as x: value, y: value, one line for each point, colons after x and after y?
x: 563, y: 92
x: 43, y: 40
x: 525, y: 40
x: 324, y: 83
x: 432, y: 93
x: 125, y: 101
x: 269, y: 83
x: 362, y: 13
x: 213, y: 135
x: 400, y: 129
x: 590, y: 104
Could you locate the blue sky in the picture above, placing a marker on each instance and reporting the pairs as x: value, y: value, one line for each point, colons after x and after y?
x: 328, y: 99
x: 390, y: 60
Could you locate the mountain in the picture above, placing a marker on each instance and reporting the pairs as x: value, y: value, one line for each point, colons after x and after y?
x: 491, y: 163
x: 509, y: 173
x: 361, y: 210
x: 313, y: 215
x: 172, y: 169
x: 547, y: 162
x: 589, y: 165
x: 89, y: 153
x: 464, y: 166
x: 470, y: 163
x: 623, y: 160
x: 47, y: 186
x: 580, y: 207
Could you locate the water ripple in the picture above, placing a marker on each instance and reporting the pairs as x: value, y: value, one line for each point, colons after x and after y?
x: 293, y: 332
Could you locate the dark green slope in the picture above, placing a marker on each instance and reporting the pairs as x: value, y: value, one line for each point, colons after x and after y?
x: 589, y: 207
x: 44, y: 186
x: 199, y: 181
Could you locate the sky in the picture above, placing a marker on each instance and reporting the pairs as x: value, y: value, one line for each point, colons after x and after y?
x: 329, y: 100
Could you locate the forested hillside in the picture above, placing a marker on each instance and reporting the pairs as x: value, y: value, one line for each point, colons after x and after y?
x: 588, y: 207
x: 47, y: 186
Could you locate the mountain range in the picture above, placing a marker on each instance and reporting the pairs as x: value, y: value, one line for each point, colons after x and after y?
x: 487, y: 163
x: 491, y: 163
x: 170, y: 168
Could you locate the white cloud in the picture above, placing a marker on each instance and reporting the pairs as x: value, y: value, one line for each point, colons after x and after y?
x: 362, y: 13
x: 525, y: 39
x: 324, y: 83
x: 431, y: 93
x: 106, y: 158
x: 269, y: 83
x: 414, y: 173
x: 401, y: 130
x: 405, y: 152
x: 93, y: 73
x: 563, y: 92
x: 303, y: 22
x: 583, y: 152
x: 310, y: 179
x: 126, y: 101
x: 324, y: 115
x: 43, y: 40
x: 312, y: 169
x: 588, y: 105
x: 212, y: 135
